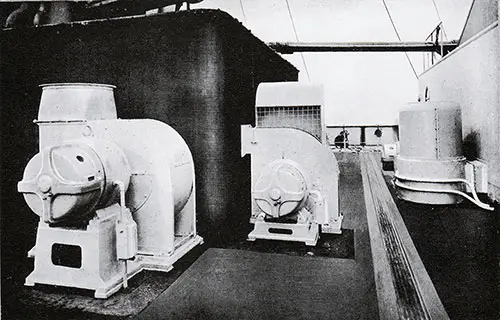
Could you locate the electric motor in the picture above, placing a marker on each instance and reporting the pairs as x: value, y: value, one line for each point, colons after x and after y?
x: 69, y: 181
x: 281, y: 189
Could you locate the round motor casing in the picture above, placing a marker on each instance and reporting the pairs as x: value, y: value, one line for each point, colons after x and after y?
x: 430, y: 151
x: 281, y: 189
x: 71, y: 180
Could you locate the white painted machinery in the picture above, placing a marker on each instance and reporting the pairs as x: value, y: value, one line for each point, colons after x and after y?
x: 114, y: 196
x: 294, y: 174
x: 430, y: 167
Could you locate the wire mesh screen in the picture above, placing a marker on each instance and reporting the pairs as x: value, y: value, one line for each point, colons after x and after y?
x: 307, y: 118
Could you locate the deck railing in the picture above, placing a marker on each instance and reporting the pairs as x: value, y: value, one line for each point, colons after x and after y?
x: 437, y: 36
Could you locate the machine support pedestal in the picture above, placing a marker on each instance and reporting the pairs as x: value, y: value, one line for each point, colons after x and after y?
x: 95, y: 267
x: 307, y: 233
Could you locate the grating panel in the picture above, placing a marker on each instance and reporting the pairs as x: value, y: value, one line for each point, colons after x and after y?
x: 307, y: 118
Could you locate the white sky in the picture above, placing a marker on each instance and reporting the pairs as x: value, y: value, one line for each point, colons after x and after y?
x: 360, y: 88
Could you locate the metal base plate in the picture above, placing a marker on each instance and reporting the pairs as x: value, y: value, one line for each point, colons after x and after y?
x: 333, y: 227
x: 307, y: 233
x: 165, y: 262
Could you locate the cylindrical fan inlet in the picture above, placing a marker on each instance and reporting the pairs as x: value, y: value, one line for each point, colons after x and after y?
x: 76, y: 101
x: 430, y: 164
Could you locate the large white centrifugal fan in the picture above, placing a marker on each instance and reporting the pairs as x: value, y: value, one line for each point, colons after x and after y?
x: 112, y: 200
x: 295, y: 175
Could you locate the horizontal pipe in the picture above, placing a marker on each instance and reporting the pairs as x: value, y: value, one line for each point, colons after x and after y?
x: 291, y: 47
x: 391, y: 126
x: 474, y: 200
x: 147, y: 3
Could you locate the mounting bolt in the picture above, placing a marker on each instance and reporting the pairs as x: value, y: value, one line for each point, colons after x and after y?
x: 44, y: 183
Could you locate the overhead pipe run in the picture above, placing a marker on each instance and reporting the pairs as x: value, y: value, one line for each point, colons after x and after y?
x: 292, y: 47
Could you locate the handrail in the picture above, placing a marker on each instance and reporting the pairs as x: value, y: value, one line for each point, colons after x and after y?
x: 436, y: 37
